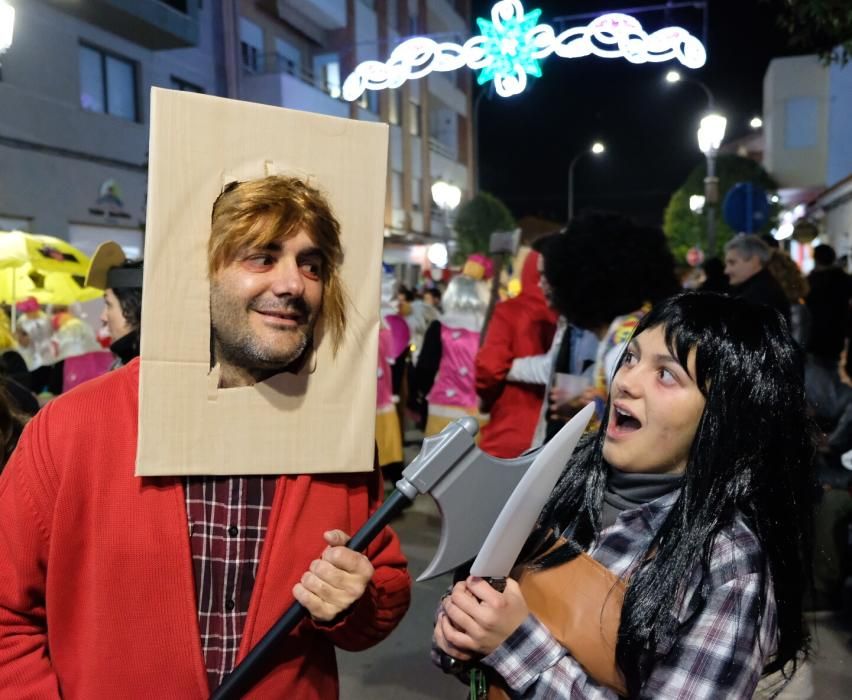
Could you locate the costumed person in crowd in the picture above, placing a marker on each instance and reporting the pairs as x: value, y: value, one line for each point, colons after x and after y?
x: 71, y: 335
x: 14, y: 376
x: 715, y: 279
x: 196, y: 567
x: 795, y: 286
x: 606, y: 273
x: 692, y: 501
x: 34, y: 333
x: 445, y: 369
x: 388, y: 432
x: 520, y: 327
x: 571, y: 355
x: 121, y: 280
x: 746, y: 261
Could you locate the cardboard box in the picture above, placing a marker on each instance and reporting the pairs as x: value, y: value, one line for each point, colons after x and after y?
x: 316, y: 421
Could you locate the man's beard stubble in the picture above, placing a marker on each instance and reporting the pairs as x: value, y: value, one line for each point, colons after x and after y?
x: 234, y: 343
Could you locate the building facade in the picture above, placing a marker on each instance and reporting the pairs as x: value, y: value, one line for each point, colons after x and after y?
x: 808, y: 143
x: 75, y: 91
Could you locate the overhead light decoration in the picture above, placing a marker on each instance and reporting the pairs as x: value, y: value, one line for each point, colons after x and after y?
x: 512, y: 45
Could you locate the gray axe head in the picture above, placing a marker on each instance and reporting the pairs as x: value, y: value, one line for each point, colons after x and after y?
x: 469, y: 486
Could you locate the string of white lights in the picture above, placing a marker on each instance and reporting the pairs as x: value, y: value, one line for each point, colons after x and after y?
x: 512, y: 44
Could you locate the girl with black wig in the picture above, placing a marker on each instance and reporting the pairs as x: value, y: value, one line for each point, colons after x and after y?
x: 695, y: 491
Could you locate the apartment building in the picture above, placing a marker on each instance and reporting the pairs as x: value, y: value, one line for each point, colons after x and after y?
x: 296, y: 53
x: 74, y: 90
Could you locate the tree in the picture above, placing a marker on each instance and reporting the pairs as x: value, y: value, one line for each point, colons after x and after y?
x: 822, y: 26
x: 476, y: 220
x: 686, y: 229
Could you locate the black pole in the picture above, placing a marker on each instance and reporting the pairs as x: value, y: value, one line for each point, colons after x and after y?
x: 245, y: 675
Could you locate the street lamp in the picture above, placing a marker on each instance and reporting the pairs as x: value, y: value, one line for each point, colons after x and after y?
x: 7, y: 25
x: 596, y: 149
x: 447, y: 197
x: 674, y: 77
x: 710, y: 135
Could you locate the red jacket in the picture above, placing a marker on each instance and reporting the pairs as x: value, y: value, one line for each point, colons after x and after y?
x: 97, y: 595
x: 520, y: 327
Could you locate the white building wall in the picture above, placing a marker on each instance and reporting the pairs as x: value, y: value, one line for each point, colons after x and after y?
x: 796, y: 104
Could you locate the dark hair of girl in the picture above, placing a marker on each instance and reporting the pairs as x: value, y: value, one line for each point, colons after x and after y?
x: 752, y: 454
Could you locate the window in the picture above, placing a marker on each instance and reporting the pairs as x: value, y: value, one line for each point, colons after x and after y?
x: 327, y: 72
x: 415, y: 193
x: 414, y: 126
x: 800, y: 128
x: 107, y: 83
x: 393, y: 14
x: 369, y: 100
x: 394, y: 106
x: 251, y: 46
x: 185, y: 85
x: 288, y: 58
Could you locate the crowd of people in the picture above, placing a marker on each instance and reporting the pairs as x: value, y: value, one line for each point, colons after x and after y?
x: 723, y: 421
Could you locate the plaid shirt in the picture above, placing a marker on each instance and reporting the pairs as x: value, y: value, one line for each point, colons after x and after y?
x: 227, y: 524
x: 719, y: 652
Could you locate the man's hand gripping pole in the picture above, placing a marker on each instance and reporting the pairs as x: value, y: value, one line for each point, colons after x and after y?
x: 469, y: 488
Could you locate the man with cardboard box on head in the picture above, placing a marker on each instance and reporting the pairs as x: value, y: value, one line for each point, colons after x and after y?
x: 137, y: 586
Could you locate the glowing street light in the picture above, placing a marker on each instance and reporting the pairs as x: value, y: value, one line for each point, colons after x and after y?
x: 447, y: 197
x: 7, y: 25
x: 596, y: 149
x: 696, y: 203
x: 756, y: 122
x: 710, y: 136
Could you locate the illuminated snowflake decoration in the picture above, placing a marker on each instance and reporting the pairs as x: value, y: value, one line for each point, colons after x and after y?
x: 512, y: 44
x: 506, y: 43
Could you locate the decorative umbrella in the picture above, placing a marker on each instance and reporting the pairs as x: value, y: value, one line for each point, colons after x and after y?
x: 47, y: 268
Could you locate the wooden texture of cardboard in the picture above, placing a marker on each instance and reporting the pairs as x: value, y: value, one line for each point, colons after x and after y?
x: 313, y: 422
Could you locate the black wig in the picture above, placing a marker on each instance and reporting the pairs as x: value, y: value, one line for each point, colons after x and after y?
x: 752, y: 455
x: 604, y: 266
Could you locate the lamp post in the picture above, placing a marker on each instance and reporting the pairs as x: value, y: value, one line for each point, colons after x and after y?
x: 447, y: 197
x: 710, y: 135
x: 674, y: 77
x: 7, y: 25
x: 596, y: 149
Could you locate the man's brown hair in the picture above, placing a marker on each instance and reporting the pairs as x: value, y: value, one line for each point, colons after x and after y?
x: 256, y: 213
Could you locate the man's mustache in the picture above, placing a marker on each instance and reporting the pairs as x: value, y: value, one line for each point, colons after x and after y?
x: 286, y: 306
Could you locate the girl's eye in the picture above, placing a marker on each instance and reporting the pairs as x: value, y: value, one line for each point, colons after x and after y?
x: 629, y: 358
x: 667, y: 377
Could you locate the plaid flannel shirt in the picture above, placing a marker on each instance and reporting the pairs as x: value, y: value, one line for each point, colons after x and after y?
x: 227, y: 524
x: 719, y: 652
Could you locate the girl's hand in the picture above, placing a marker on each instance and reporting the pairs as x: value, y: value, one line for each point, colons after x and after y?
x: 563, y: 406
x: 477, y: 619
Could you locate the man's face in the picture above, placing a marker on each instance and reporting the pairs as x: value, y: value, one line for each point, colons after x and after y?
x: 264, y: 305
x: 113, y: 317
x: 739, y: 269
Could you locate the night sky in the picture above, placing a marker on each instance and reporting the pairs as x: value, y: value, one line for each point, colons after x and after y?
x: 648, y: 125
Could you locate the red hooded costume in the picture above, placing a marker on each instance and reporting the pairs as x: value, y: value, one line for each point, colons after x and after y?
x: 520, y: 327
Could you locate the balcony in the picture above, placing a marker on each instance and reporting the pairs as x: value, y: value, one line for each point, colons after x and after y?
x: 327, y: 14
x: 154, y: 24
x: 289, y: 88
